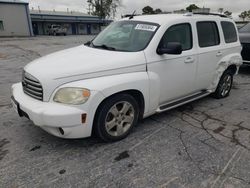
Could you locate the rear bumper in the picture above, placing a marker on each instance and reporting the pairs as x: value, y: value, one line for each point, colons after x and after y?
x: 53, y: 117
x: 245, y: 62
x: 245, y: 53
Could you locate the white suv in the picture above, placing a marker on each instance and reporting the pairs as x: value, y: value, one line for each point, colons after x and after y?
x: 154, y: 64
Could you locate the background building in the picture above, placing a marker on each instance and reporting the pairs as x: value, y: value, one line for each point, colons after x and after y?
x: 15, y: 18
x: 77, y: 23
x: 201, y: 10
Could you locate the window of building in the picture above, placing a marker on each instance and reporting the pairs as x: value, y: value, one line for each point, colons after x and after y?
x: 1, y: 25
x: 208, y: 34
x: 95, y: 26
x: 82, y: 27
x: 229, y: 31
x: 181, y: 33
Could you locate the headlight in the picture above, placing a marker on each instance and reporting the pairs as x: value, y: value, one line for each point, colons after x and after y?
x: 73, y: 96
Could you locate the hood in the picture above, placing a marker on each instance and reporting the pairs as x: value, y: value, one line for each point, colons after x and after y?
x: 80, y: 63
x: 82, y: 60
x: 244, y: 37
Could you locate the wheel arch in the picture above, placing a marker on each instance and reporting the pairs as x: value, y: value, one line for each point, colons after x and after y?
x: 231, y: 62
x: 136, y: 94
x: 232, y: 68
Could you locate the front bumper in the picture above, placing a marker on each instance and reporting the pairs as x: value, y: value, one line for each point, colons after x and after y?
x: 52, y: 117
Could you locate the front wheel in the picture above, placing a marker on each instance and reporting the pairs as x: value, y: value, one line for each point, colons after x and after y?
x: 225, y: 85
x: 116, y: 117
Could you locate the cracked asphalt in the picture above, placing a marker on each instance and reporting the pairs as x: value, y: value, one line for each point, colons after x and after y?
x: 202, y: 144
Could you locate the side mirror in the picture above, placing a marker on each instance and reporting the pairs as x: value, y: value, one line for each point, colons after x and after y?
x: 174, y: 48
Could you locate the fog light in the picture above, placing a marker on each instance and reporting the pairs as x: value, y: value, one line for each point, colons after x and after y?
x: 61, y: 131
x: 84, y: 117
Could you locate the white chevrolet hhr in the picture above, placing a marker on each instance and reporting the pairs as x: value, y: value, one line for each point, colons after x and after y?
x: 136, y: 67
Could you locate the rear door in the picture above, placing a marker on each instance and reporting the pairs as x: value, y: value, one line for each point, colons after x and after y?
x: 210, y: 53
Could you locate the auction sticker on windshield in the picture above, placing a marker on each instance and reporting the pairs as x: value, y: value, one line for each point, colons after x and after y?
x: 146, y: 27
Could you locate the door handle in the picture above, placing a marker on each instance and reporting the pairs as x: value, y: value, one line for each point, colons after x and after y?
x: 189, y: 60
x: 219, y: 54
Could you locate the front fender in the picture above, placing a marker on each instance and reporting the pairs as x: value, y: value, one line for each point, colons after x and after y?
x: 109, y: 85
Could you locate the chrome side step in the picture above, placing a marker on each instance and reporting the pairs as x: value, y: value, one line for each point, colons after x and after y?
x: 182, y: 101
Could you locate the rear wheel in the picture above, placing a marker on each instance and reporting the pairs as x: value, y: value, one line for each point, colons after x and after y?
x: 116, y: 117
x: 225, y: 85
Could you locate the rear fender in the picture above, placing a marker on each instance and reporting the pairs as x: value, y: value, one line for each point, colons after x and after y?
x: 232, y: 59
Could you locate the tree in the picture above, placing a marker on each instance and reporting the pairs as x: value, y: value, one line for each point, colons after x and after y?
x: 103, y: 8
x: 244, y: 15
x: 228, y: 13
x: 192, y: 7
x: 158, y: 11
x: 148, y: 10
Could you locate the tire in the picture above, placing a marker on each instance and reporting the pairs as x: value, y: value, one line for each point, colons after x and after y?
x: 225, y: 85
x: 116, y: 117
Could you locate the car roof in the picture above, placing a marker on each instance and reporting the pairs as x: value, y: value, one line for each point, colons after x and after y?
x: 164, y: 18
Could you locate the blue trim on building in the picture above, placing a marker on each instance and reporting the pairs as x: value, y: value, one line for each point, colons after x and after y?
x: 51, y: 15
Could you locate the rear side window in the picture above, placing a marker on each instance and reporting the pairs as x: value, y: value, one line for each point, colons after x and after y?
x: 208, y: 34
x: 229, y: 31
x: 181, y: 33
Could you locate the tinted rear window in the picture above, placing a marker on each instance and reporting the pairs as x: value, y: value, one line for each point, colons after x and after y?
x: 229, y: 31
x: 208, y: 34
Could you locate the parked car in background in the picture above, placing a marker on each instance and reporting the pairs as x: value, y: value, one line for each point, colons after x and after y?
x: 57, y: 30
x: 245, y: 41
x: 152, y: 64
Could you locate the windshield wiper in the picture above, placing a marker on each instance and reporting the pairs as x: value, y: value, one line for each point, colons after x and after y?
x: 104, y: 46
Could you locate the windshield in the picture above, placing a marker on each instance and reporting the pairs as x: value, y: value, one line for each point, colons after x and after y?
x: 130, y: 36
x: 245, y: 29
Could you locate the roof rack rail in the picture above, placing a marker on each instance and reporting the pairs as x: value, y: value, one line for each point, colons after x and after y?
x: 213, y: 14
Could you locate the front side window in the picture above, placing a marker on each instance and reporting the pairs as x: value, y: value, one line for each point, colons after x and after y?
x: 208, y: 34
x: 129, y: 36
x: 181, y: 33
x: 1, y: 26
x: 229, y: 31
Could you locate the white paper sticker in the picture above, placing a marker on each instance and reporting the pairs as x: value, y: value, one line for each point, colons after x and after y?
x: 146, y: 27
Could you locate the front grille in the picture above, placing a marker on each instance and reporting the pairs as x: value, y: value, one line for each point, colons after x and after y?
x: 32, y: 87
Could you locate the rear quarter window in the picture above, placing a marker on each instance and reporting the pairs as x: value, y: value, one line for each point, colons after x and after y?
x: 229, y: 32
x: 208, y: 34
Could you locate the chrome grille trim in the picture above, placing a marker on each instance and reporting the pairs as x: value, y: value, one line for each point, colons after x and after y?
x: 32, y: 87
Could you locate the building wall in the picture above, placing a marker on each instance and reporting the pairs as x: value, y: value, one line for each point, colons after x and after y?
x: 95, y: 28
x: 14, y: 19
x: 82, y: 29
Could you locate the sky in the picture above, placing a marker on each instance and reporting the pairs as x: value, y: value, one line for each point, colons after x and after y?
x: 128, y: 6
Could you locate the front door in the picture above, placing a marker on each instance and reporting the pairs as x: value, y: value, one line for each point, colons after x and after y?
x: 176, y: 72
